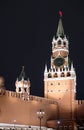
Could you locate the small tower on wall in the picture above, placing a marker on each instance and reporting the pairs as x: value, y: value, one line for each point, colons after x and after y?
x: 60, y: 79
x: 22, y: 84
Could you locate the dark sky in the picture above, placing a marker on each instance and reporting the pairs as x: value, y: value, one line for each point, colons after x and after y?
x: 26, y: 31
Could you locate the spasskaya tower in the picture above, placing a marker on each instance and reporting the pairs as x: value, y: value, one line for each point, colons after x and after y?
x: 60, y: 79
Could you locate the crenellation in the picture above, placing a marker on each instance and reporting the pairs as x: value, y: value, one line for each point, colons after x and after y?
x: 80, y: 102
x: 31, y: 97
x: 59, y: 73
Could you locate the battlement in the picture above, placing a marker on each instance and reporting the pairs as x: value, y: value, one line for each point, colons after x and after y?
x: 80, y: 102
x: 17, y: 106
x: 30, y: 98
x: 58, y: 73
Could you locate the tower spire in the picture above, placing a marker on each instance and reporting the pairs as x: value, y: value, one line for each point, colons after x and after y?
x: 72, y: 68
x: 60, y: 29
x: 22, y: 75
x: 46, y: 70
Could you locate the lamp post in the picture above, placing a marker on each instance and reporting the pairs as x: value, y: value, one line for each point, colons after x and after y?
x: 40, y: 115
x: 58, y: 122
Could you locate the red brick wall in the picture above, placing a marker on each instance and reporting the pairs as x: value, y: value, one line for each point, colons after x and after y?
x: 25, y: 111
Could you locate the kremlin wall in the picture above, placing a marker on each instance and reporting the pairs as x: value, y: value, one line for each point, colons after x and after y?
x: 59, y: 108
x: 24, y: 110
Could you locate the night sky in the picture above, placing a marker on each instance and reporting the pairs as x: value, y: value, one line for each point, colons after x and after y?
x: 26, y: 31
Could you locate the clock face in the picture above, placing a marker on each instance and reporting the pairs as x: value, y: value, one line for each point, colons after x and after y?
x: 59, y: 61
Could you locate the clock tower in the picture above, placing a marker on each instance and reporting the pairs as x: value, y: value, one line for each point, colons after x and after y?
x: 60, y: 79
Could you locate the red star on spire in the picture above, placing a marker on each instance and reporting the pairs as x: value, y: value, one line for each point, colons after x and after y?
x: 60, y: 13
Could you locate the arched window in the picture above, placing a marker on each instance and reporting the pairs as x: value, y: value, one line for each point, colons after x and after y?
x: 64, y: 43
x: 49, y: 75
x: 55, y: 75
x: 62, y: 74
x: 68, y: 74
x: 19, y: 89
x: 59, y: 42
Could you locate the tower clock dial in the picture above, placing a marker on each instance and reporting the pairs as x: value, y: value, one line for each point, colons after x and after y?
x: 59, y: 61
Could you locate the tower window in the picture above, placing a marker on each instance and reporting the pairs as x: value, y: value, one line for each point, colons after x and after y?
x: 68, y: 74
x: 51, y: 83
x: 55, y: 75
x: 49, y: 75
x: 58, y: 83
x: 59, y: 42
x: 62, y: 74
x: 64, y: 43
x: 19, y: 89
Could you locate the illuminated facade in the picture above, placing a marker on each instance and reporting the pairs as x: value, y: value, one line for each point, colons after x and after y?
x: 59, y: 103
x: 60, y: 80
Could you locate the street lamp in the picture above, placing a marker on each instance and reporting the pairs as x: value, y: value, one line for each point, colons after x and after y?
x: 40, y: 115
x: 58, y: 122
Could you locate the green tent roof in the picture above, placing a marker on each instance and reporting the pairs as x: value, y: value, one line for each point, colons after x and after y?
x: 60, y: 29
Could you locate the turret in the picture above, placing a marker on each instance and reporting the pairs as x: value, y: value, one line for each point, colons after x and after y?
x: 72, y: 68
x: 22, y: 84
x: 45, y: 71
